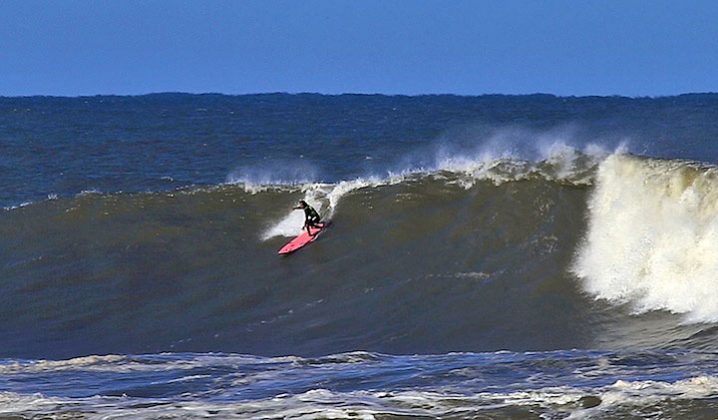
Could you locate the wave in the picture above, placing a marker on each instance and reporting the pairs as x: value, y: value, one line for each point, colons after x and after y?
x: 557, y: 161
x: 364, y: 385
x: 503, y: 157
x: 651, y: 239
x: 691, y: 397
x: 199, y: 268
x: 414, y: 263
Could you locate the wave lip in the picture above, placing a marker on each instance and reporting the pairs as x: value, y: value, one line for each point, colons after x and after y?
x: 651, y: 239
x: 558, y: 162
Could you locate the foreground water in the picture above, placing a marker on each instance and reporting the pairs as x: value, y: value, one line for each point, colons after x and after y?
x: 367, y: 385
x: 489, y: 256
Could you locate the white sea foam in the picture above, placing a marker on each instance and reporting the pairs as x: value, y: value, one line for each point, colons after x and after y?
x: 323, y: 403
x: 225, y: 397
x: 120, y: 363
x: 552, y: 160
x: 324, y: 198
x: 652, y: 236
x: 505, y: 155
x: 12, y: 403
x: 17, y: 206
x: 557, y: 161
x: 559, y: 145
x: 90, y: 191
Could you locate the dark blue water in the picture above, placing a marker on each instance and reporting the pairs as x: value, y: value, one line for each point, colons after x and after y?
x: 67, y: 145
x: 500, y: 385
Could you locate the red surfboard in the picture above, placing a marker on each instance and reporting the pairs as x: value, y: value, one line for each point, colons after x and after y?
x: 303, y: 239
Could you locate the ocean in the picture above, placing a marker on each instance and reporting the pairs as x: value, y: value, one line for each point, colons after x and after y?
x: 489, y: 257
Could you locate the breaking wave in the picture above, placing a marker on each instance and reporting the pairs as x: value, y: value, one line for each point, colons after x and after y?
x: 423, y: 261
x: 651, y: 238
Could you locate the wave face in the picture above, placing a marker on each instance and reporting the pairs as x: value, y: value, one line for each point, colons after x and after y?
x: 652, y: 234
x: 197, y: 270
x: 425, y: 263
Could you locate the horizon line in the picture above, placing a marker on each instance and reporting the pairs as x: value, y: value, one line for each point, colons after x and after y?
x: 658, y: 96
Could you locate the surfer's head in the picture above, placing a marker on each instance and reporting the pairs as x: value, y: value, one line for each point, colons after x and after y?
x: 302, y: 203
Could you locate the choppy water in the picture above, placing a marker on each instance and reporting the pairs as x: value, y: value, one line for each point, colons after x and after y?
x: 488, y: 257
x: 368, y: 385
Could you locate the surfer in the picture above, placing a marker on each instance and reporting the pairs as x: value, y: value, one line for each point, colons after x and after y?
x: 311, y: 217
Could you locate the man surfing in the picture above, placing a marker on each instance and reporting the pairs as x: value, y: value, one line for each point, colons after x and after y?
x: 311, y: 217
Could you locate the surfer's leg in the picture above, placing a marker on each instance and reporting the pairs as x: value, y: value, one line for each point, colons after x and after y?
x: 314, y: 224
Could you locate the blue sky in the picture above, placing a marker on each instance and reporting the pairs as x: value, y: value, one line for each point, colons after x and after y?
x: 632, y: 48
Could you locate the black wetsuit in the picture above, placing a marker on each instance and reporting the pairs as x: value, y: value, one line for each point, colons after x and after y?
x: 311, y: 216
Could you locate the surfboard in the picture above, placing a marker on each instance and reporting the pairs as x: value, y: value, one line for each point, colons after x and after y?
x: 303, y: 239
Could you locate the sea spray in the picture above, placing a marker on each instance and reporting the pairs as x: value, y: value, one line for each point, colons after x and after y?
x: 651, y: 237
x: 274, y: 172
x: 324, y: 198
x: 558, y: 161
